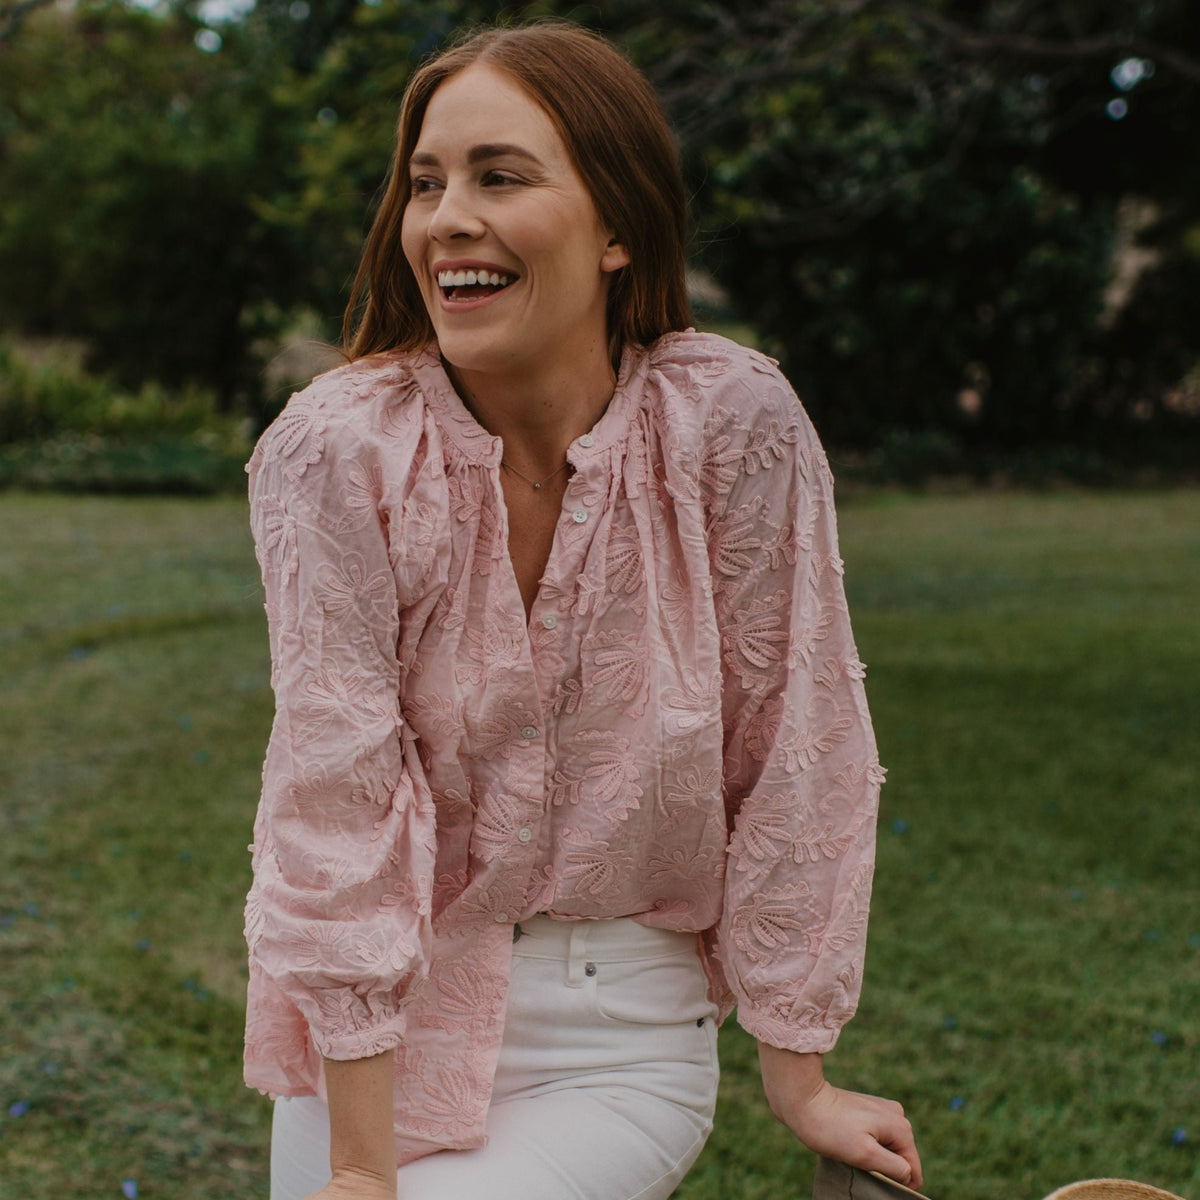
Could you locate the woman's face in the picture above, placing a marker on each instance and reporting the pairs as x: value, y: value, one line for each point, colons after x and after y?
x: 511, y: 258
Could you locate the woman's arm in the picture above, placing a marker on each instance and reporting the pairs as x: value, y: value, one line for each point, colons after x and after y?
x: 801, y: 773
x: 864, y: 1131
x: 362, y: 1148
x: 337, y: 919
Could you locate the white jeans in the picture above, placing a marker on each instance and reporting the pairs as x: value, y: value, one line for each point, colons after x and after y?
x: 605, y: 1087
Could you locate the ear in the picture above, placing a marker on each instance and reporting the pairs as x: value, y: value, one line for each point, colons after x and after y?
x: 615, y: 256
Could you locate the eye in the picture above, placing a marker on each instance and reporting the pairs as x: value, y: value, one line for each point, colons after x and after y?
x: 421, y: 184
x: 499, y: 179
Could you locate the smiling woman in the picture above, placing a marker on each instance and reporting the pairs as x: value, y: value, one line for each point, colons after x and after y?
x: 517, y: 209
x: 571, y: 751
x: 612, y: 130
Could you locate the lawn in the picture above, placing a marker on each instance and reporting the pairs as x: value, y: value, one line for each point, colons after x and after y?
x: 1033, y: 980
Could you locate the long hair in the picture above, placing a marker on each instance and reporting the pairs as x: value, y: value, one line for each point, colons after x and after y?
x: 618, y: 141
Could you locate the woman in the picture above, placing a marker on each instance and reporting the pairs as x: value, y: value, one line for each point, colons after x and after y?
x: 570, y: 752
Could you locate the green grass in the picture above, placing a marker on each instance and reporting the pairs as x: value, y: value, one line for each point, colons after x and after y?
x: 1033, y: 980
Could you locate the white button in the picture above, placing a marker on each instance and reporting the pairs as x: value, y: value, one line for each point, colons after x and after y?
x: 549, y: 620
x: 524, y: 834
x: 587, y: 441
x: 579, y: 516
x: 501, y: 918
x: 529, y: 732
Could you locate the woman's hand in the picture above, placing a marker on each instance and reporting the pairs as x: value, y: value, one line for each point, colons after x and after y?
x: 354, y: 1185
x: 864, y: 1131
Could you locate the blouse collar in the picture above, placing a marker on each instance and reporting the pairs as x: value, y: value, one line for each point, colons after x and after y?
x: 484, y: 449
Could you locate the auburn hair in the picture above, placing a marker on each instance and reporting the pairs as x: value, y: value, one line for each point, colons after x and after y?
x: 618, y: 141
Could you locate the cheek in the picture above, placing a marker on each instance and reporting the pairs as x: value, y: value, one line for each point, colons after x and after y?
x: 412, y: 240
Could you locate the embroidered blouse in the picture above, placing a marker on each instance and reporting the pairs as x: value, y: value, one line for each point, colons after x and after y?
x: 678, y: 733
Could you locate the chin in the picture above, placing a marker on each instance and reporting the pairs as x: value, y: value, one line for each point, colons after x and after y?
x: 469, y: 352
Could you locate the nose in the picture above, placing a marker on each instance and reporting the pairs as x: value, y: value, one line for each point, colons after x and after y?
x: 455, y: 216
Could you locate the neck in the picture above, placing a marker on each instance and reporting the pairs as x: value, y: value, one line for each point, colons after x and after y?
x: 537, y: 415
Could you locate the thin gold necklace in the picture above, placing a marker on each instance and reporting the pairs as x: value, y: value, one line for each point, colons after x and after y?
x: 536, y: 484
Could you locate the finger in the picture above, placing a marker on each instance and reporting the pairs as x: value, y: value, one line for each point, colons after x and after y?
x: 902, y: 1151
x: 897, y: 1142
x: 894, y: 1166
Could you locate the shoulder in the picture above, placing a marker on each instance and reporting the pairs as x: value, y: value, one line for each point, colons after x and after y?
x: 730, y: 412
x: 712, y: 374
x: 341, y: 414
x: 722, y: 390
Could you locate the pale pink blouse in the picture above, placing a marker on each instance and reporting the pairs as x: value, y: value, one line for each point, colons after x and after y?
x: 678, y: 733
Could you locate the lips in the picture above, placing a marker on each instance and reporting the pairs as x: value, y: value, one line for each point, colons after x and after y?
x: 472, y: 283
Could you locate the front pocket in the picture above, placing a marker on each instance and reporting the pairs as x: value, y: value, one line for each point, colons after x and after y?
x: 655, y: 991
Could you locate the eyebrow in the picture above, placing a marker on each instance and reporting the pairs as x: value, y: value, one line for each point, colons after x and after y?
x: 478, y: 154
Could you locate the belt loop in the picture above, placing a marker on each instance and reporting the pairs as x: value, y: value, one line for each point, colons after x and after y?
x: 576, y: 950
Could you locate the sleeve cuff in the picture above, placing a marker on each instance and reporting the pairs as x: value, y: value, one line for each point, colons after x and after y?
x: 765, y: 1026
x: 347, y: 1044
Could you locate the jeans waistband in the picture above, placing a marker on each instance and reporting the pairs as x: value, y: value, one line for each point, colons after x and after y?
x: 618, y: 939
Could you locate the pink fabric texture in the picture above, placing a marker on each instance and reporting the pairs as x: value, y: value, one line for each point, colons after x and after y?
x: 678, y: 734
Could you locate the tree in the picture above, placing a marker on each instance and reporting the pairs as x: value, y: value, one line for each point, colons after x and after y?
x: 132, y: 164
x: 918, y: 203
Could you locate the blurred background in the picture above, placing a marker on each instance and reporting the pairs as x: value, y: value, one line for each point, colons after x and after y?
x: 970, y: 232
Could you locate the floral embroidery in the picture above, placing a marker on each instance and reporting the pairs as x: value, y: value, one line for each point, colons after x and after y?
x: 400, y: 411
x: 804, y: 644
x: 625, y: 571
x: 722, y: 457
x: 465, y: 999
x: 613, y: 774
x: 679, y: 860
x: 496, y: 823
x: 761, y: 833
x: 827, y: 727
x: 849, y: 920
x: 767, y: 447
x: 298, y: 434
x: 347, y: 588
x: 361, y: 497
x: 327, y: 695
x: 689, y: 705
x: 763, y: 729
x: 686, y: 694
x: 764, y: 924
x: 494, y: 647
x: 596, y: 867
x: 695, y: 791
x: 734, y: 549
x: 756, y: 638
x: 620, y: 666
x: 276, y: 537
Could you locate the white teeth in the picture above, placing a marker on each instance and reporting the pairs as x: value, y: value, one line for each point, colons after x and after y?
x: 448, y: 279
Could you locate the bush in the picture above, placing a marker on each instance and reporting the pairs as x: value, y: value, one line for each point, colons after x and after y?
x: 52, y: 399
x: 151, y: 464
x: 63, y: 430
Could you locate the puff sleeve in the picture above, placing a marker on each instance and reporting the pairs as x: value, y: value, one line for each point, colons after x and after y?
x: 801, y: 773
x: 338, y: 917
